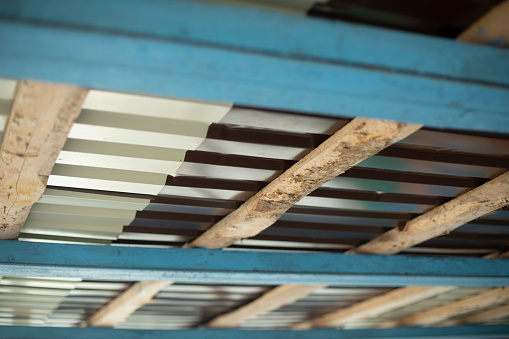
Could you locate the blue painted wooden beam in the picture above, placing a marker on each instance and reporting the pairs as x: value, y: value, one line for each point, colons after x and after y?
x: 461, y: 332
x: 18, y: 258
x: 256, y: 58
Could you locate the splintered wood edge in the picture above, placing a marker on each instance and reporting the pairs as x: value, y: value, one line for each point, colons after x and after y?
x: 40, y: 120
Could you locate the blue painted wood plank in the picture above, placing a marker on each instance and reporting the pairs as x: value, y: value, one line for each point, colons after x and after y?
x: 112, y: 46
x: 259, y: 31
x: 460, y: 332
x: 18, y: 258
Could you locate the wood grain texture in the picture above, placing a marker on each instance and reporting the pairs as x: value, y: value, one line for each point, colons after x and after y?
x: 271, y: 300
x: 442, y: 313
x: 474, y: 204
x: 40, y: 120
x: 375, y: 306
x: 354, y: 143
x: 120, y: 308
x: 491, y: 29
x: 485, y: 316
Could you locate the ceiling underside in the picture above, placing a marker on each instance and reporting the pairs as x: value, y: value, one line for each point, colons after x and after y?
x: 145, y: 171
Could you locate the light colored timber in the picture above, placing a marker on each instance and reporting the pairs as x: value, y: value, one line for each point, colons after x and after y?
x: 474, y: 204
x: 490, y: 315
x: 374, y: 306
x: 354, y: 143
x: 120, y: 308
x: 492, y: 28
x: 442, y: 313
x: 271, y: 300
x: 40, y: 120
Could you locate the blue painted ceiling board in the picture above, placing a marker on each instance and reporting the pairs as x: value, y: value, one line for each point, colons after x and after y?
x: 18, y: 258
x: 460, y: 332
x: 459, y: 86
x: 260, y: 31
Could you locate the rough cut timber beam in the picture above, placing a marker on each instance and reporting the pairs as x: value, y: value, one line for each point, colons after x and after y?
x: 36, y: 131
x: 490, y: 315
x: 374, y: 306
x: 439, y: 314
x: 476, y: 203
x: 117, y: 311
x: 271, y: 300
x: 355, y: 142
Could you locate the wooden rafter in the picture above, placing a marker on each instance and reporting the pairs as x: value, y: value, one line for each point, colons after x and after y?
x: 474, y: 204
x: 355, y: 142
x: 485, y: 316
x: 375, y: 306
x: 439, y: 314
x: 40, y: 120
x: 139, y: 294
x: 271, y: 300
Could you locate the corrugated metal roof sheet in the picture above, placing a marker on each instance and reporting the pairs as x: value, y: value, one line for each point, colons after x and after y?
x: 146, y: 171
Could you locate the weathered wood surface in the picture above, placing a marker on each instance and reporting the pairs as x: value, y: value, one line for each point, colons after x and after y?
x: 491, y: 29
x: 375, y: 306
x: 442, y: 313
x: 40, y: 120
x: 271, y: 300
x: 474, y: 204
x: 354, y: 143
x: 120, y: 308
x: 485, y: 316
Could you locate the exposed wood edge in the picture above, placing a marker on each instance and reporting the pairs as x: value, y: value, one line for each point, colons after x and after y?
x: 120, y: 308
x: 40, y: 120
x: 474, y: 204
x: 491, y: 29
x: 355, y: 142
x: 442, y: 313
x: 482, y: 317
x: 374, y: 306
x: 271, y: 300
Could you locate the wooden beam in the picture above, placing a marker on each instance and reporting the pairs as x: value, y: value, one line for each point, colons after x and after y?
x: 120, y: 308
x: 482, y: 317
x: 40, y: 120
x: 474, y: 204
x: 374, y: 306
x: 439, y: 314
x: 492, y: 28
x: 355, y: 142
x: 271, y: 300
